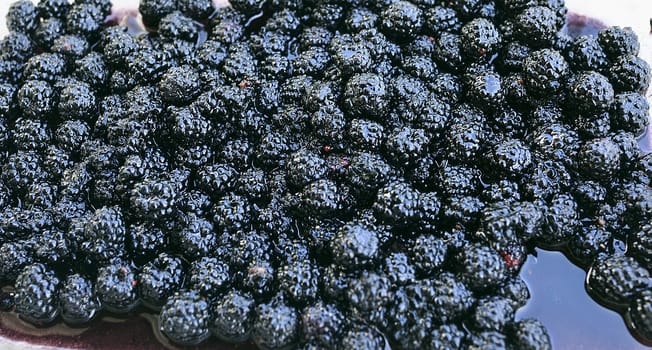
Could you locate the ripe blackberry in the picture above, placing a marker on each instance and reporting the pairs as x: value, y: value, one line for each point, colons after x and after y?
x: 630, y: 73
x: 368, y: 292
x: 355, y: 245
x: 397, y: 202
x: 209, y: 276
x: 195, y: 237
x: 276, y: 325
x: 153, y: 10
x: 143, y: 241
x: 537, y: 26
x: 72, y: 47
x: 544, y: 71
x: 360, y: 18
x: 159, y: 279
x: 480, y: 39
x: 36, y: 294
x: 22, y: 169
x: 196, y: 9
x: 176, y: 26
x: 448, y: 51
x: 45, y: 66
x: 450, y: 297
x: 154, y: 199
x: 587, y: 54
x: 440, y: 19
x: 398, y: 269
x: 22, y: 16
x: 406, y: 145
x: 530, y: 334
x: 328, y: 15
x: 629, y: 112
x: 447, y: 336
x: 116, y: 286
x: 599, y: 159
x: 639, y: 314
x: 233, y: 317
x: 77, y: 300
x: 616, y: 42
x: 77, y: 101
x: 53, y: 8
x: 492, y: 314
x: 299, y: 281
x: 104, y: 234
x: 14, y: 256
x: 185, y: 318
x: 615, y: 280
x: 259, y: 278
x: 401, y: 20
x: 322, y: 324
x: 482, y: 267
x: 36, y: 98
x: 84, y: 19
x: 31, y: 134
x: 364, y: 338
x: 591, y: 92
x: 249, y: 247
x: 427, y: 253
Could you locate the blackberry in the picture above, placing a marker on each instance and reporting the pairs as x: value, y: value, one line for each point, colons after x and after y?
x: 176, y: 26
x: 587, y: 54
x: 449, y: 296
x: 159, y: 279
x: 276, y: 325
x: 104, y: 234
x: 530, y: 334
x: 401, y: 20
x: 406, y: 145
x: 153, y: 11
x: 84, y: 20
x: 537, y: 26
x: 209, y: 276
x: 233, y: 317
x: 364, y: 338
x: 591, y: 92
x: 14, y: 256
x: 30, y: 134
x: 366, y: 94
x: 22, y: 169
x: 117, y: 287
x: 259, y: 278
x: 447, y: 336
x: 616, y: 42
x: 92, y: 69
x: 629, y: 112
x: 481, y: 267
x: 493, y: 314
x: 427, y: 253
x: 36, y: 98
x: 480, y: 39
x: 355, y: 245
x: 440, y: 19
x: 397, y: 202
x: 617, y: 279
x: 196, y: 9
x: 630, y: 73
x: 36, y: 294
x: 599, y: 159
x: 368, y: 292
x: 143, y: 241
x: 398, y: 269
x: 22, y: 16
x: 72, y: 47
x: 322, y: 323
x: 154, y: 198
x: 46, y: 66
x: 486, y: 340
x: 544, y: 71
x: 299, y: 281
x: 53, y: 8
x: 185, y: 318
x: 195, y: 237
x: 77, y: 300
x: 639, y: 313
x: 77, y: 101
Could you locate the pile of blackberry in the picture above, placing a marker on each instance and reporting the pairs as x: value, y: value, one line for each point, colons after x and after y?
x: 319, y: 174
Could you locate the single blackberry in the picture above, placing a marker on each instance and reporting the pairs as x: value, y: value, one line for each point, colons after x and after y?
x: 77, y: 300
x: 249, y: 247
x: 544, y: 71
x: 587, y: 54
x: 77, y: 101
x: 154, y: 199
x: 196, y: 9
x: 482, y: 267
x: 537, y: 26
x: 153, y: 10
x: 366, y: 95
x: 84, y: 19
x: 36, y: 98
x: 14, y: 256
x: 616, y: 279
x: 427, y: 253
x: 447, y: 336
x: 116, y: 286
x: 22, y: 16
x: 450, y: 297
x: 31, y: 134
x: 36, y: 294
x: 480, y: 39
x: 322, y: 324
x: 159, y: 279
x: 259, y: 278
x: 53, y: 8
x: 406, y: 145
x: 639, y: 314
x: 22, y: 169
x: 363, y: 337
x: 616, y: 42
x: 276, y: 325
x: 16, y: 46
x: 355, y: 245
x: 630, y: 73
x: 599, y: 159
x: 233, y: 317
x: 492, y: 314
x: 104, y: 234
x: 397, y: 202
x: 176, y: 26
x: 398, y: 269
x: 629, y: 112
x: 72, y: 47
x: 368, y: 292
x: 195, y: 237
x: 45, y: 66
x: 591, y: 92
x: 530, y: 334
x: 401, y: 20
x: 440, y: 19
x: 209, y: 276
x: 144, y: 240
x: 185, y: 318
x: 486, y: 340
x: 92, y: 69
x: 299, y: 281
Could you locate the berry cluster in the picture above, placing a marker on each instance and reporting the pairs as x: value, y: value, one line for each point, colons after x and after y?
x: 319, y: 174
